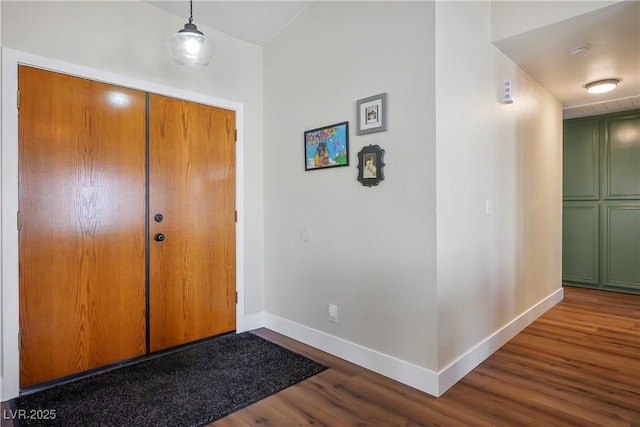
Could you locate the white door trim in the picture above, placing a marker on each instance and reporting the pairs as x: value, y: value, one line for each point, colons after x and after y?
x: 9, y: 377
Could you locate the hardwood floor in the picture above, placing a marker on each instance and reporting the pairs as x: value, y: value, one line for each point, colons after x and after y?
x: 577, y: 365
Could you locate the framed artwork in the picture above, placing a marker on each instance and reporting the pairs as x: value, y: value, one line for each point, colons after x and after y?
x: 370, y: 165
x: 372, y: 114
x: 326, y: 147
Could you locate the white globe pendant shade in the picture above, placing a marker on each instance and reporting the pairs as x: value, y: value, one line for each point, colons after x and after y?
x: 189, y: 46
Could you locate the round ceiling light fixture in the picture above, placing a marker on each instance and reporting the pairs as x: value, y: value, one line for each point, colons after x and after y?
x: 602, y: 86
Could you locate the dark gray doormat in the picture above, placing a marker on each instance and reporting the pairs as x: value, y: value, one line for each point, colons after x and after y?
x: 190, y: 387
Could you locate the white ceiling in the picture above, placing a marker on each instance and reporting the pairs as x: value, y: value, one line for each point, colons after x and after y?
x: 253, y: 21
x: 613, y: 34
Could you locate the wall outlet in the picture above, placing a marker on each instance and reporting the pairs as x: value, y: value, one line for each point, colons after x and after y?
x: 333, y: 313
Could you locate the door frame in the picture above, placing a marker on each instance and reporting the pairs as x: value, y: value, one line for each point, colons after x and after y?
x: 9, y: 295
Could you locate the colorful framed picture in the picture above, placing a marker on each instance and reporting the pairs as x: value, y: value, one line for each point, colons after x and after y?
x: 326, y: 147
x: 372, y: 114
x: 370, y: 166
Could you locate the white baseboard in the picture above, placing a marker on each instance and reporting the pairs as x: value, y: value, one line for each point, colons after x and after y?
x: 433, y: 383
x: 389, y: 366
x: 457, y: 369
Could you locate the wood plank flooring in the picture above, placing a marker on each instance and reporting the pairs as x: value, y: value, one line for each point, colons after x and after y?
x: 577, y: 365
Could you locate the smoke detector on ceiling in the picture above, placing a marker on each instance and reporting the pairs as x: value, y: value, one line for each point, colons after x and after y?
x: 580, y: 50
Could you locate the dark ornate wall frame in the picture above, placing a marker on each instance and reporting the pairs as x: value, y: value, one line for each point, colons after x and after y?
x: 371, y: 165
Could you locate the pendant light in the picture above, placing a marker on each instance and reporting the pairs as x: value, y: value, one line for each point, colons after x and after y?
x: 189, y: 46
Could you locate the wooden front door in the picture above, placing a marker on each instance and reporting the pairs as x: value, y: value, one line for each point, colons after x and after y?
x: 97, y: 162
x: 192, y: 185
x: 82, y: 232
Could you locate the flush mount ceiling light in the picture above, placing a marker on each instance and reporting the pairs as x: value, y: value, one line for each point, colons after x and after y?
x: 602, y: 86
x: 189, y: 46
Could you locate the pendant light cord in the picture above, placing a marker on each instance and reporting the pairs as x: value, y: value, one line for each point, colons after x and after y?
x: 190, y: 11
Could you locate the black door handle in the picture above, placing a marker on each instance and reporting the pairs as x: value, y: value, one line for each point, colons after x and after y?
x: 159, y: 237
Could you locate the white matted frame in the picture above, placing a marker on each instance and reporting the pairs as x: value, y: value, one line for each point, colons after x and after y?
x: 372, y: 114
x: 9, y: 300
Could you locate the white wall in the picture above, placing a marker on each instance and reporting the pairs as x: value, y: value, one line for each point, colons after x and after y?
x: 128, y: 39
x: 372, y: 250
x: 510, y: 18
x: 491, y: 267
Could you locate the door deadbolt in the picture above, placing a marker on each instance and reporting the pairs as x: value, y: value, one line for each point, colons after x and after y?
x: 158, y: 218
x: 159, y: 237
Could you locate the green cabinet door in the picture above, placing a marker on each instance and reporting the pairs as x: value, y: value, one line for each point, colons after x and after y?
x: 622, y: 158
x: 581, y: 160
x: 580, y: 242
x: 621, y: 244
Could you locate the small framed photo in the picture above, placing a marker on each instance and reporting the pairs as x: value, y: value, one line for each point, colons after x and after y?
x: 370, y: 165
x: 372, y: 114
x: 326, y: 147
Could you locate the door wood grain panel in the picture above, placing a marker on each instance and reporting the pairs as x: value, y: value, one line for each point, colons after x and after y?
x: 192, y: 184
x: 82, y: 204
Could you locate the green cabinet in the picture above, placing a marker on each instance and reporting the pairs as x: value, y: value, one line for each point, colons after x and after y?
x: 622, y: 158
x: 581, y: 242
x: 621, y: 245
x: 601, y: 202
x: 581, y: 160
